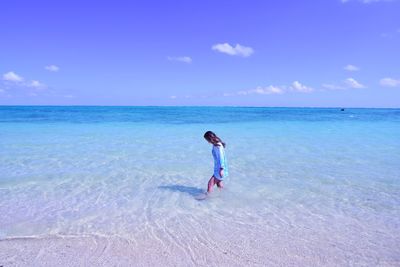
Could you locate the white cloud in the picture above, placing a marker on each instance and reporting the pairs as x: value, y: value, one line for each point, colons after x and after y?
x: 52, y: 68
x: 12, y: 77
x: 366, y: 1
x: 181, y: 59
x: 333, y: 86
x: 274, y: 90
x: 349, y: 83
x: 173, y: 97
x: 14, y: 80
x: 298, y: 87
x: 269, y: 90
x: 391, y: 34
x: 352, y: 83
x: 351, y: 68
x: 36, y: 84
x: 238, y: 50
x: 389, y: 82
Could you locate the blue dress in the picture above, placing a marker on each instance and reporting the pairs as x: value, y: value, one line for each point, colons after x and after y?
x: 218, y: 153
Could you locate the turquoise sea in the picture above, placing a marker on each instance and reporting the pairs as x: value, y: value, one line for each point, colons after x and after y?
x: 311, y: 180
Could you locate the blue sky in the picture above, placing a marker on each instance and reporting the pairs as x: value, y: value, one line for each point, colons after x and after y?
x: 318, y: 53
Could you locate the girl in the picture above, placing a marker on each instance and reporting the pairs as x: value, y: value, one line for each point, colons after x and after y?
x: 220, y: 165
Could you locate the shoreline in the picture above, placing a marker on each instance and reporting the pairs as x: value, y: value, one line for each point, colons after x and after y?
x: 94, y: 250
x: 279, y: 249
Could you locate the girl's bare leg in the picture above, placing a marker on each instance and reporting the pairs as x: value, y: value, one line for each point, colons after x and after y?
x: 220, y: 184
x: 211, y: 183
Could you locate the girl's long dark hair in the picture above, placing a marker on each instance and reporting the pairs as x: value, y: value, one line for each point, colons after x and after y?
x: 213, y: 138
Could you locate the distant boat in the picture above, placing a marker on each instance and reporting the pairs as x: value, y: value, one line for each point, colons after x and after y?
x: 342, y: 109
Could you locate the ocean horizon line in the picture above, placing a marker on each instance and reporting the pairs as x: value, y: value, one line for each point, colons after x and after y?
x: 205, y: 106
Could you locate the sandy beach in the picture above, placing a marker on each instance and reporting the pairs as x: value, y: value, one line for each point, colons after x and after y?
x: 245, y: 248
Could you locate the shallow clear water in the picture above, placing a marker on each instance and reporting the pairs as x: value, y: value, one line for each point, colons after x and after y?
x: 307, y: 174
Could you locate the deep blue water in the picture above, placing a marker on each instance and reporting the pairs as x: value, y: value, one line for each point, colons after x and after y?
x: 187, y: 115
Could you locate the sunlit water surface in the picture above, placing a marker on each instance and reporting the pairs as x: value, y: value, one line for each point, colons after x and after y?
x: 296, y: 175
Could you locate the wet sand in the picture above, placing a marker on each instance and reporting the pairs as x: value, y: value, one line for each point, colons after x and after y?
x: 284, y: 250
